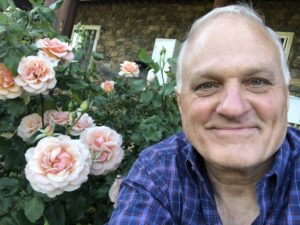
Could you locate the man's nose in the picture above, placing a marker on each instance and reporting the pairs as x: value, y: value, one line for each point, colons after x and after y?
x: 233, y: 103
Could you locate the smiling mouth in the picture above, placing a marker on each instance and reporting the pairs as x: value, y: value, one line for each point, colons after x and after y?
x: 235, y: 131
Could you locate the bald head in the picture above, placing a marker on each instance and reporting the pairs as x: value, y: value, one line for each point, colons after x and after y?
x: 204, y: 28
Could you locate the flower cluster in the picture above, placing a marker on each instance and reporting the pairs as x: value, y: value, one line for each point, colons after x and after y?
x: 36, y: 73
x: 60, y: 163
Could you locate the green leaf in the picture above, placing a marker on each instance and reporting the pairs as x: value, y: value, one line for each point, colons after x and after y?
x: 6, y: 124
x: 46, y: 222
x: 26, y: 97
x: 8, y: 186
x: 169, y: 89
x: 25, y: 50
x: 2, y: 28
x: 61, y: 68
x: 144, y: 56
x: 12, y: 39
x: 15, y: 27
x: 138, y: 85
x: 34, y: 209
x: 79, y: 86
x: 12, y: 61
x: 97, y: 56
x: 146, y: 96
x: 5, y: 205
x: 74, y: 68
x: 20, y: 218
x: 4, y: 4
x: 56, y: 5
x: 155, y: 66
x: 3, y: 54
x: 16, y: 107
x: 55, y: 215
x: 8, y: 221
x: 153, y: 135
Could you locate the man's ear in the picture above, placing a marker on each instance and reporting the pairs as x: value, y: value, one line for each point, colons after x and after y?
x: 178, y: 97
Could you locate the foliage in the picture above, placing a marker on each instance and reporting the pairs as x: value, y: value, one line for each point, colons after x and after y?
x: 142, y: 112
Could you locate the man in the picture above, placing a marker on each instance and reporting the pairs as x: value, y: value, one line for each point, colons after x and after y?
x: 236, y: 162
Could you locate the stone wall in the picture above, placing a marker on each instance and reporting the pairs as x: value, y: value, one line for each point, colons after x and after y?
x: 127, y: 27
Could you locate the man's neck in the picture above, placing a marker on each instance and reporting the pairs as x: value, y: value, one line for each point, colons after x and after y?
x: 235, y: 192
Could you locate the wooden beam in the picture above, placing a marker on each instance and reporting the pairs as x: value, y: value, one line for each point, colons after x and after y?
x: 220, y: 3
x: 66, y: 15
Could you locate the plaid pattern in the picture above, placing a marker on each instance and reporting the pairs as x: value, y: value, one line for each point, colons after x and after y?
x: 168, y: 185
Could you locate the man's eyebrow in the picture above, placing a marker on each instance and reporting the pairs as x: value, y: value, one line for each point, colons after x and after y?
x: 247, y: 72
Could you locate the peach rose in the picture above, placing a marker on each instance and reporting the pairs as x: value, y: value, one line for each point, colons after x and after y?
x: 54, y: 49
x: 114, y: 190
x: 36, y: 74
x: 29, y: 125
x: 105, y: 147
x: 8, y: 88
x: 129, y: 69
x: 56, y: 117
x: 57, y: 164
x: 107, y: 86
x: 83, y: 121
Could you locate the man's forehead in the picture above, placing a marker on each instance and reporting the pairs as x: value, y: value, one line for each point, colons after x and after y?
x: 226, y: 24
x: 227, y: 31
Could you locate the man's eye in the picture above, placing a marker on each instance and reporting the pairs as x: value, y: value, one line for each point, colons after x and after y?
x: 206, y: 86
x: 258, y: 82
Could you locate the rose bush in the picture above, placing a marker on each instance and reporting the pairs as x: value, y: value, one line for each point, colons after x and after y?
x: 67, y: 131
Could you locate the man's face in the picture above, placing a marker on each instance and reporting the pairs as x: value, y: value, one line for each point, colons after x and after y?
x: 233, y: 99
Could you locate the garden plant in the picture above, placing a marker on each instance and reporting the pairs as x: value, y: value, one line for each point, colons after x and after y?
x: 68, y: 134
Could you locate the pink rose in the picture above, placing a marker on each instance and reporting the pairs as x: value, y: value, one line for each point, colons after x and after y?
x: 8, y: 88
x: 57, y: 164
x: 54, y: 49
x: 105, y: 147
x: 36, y: 74
x: 47, y: 115
x: 82, y: 122
x: 56, y: 117
x: 107, y: 86
x: 129, y: 69
x: 29, y: 125
x: 114, y: 190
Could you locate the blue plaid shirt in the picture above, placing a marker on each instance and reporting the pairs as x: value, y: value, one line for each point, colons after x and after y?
x: 168, y: 185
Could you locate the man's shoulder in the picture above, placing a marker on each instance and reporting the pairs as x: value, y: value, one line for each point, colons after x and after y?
x: 175, y: 145
x: 293, y: 140
x: 160, y: 163
x: 293, y: 135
